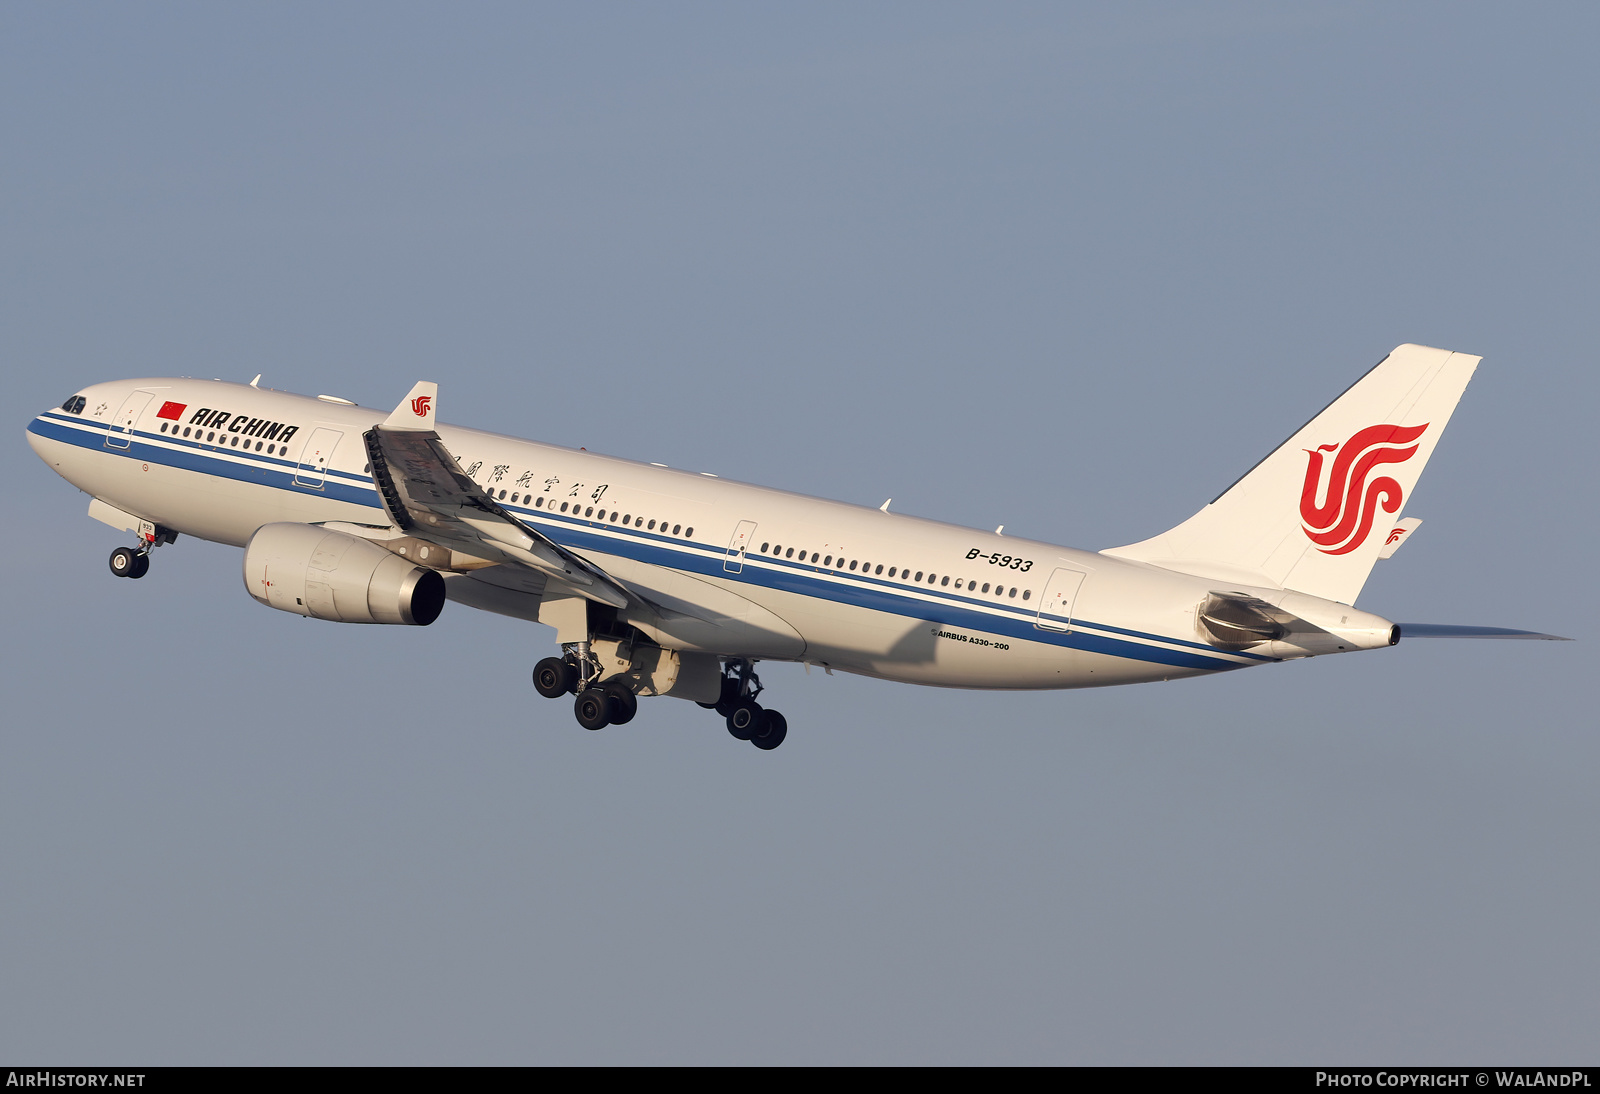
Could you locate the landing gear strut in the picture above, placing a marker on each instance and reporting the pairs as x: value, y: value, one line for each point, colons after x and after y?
x: 747, y: 719
x: 599, y: 703
x: 611, y: 703
x: 135, y: 561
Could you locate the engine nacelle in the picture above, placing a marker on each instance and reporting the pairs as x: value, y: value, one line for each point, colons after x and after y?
x: 311, y: 571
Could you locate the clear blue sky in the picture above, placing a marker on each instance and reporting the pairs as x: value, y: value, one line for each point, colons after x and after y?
x: 1070, y: 268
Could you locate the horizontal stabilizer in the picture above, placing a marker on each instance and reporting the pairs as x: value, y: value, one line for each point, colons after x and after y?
x: 1446, y: 630
x: 1398, y: 535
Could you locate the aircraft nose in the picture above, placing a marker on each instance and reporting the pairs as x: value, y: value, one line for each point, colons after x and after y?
x: 39, y: 442
x: 47, y: 434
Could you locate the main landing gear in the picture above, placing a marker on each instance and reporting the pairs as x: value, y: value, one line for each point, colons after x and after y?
x: 135, y: 561
x: 599, y: 703
x: 747, y: 719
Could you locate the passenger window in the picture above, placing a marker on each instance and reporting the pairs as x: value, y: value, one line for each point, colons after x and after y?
x: 258, y: 446
x: 828, y: 561
x: 919, y: 575
x: 790, y: 554
x: 163, y: 427
x: 538, y: 502
x: 1026, y: 593
x: 628, y: 519
x: 235, y: 441
x: 589, y: 512
x: 985, y: 586
x: 652, y: 526
x: 688, y: 533
x: 563, y: 507
x: 764, y: 547
x: 210, y: 437
x: 675, y: 528
x: 879, y: 570
x: 1013, y: 593
x: 813, y: 556
x: 891, y: 571
x: 946, y: 580
x: 185, y: 431
x: 852, y: 564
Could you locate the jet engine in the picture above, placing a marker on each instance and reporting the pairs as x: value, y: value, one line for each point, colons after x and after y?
x: 311, y: 571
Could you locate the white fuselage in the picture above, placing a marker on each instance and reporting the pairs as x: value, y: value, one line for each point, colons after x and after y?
x: 758, y: 573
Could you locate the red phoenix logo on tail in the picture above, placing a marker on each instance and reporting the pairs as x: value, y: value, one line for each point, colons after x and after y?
x: 420, y: 405
x: 1349, y: 502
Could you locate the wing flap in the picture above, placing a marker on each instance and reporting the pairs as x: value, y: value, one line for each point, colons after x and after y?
x: 426, y: 495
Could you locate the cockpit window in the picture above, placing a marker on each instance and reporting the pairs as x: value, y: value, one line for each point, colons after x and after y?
x: 73, y: 405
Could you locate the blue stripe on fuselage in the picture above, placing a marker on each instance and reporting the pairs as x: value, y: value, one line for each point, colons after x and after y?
x: 578, y: 534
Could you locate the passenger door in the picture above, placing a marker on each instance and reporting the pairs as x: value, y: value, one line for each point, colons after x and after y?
x: 120, y: 435
x: 313, y: 467
x: 738, y: 545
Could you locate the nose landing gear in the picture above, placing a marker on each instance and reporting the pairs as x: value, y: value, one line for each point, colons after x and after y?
x: 126, y: 562
x: 135, y: 561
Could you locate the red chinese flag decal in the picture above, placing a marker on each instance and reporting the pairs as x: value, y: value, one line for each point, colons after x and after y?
x: 172, y: 410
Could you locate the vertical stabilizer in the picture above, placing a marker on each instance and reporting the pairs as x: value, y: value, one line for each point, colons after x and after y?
x: 1313, y: 515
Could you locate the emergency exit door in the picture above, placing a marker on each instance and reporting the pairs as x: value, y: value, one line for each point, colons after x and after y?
x: 1060, y: 594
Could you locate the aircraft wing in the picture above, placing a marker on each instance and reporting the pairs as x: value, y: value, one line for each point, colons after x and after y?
x: 427, y: 495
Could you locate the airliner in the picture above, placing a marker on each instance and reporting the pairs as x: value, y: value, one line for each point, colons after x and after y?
x: 661, y: 581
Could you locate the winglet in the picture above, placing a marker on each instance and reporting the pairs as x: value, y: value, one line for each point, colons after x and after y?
x: 416, y: 409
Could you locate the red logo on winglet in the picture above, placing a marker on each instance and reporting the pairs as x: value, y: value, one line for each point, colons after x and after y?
x: 1341, y: 523
x: 419, y: 405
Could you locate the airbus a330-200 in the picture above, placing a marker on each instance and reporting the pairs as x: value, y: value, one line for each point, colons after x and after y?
x: 667, y: 582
